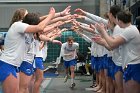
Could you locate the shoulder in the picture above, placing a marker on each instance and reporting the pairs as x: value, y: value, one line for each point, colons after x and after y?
x: 75, y: 44
x: 64, y: 44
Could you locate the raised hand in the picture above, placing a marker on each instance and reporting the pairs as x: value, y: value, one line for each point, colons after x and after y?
x: 79, y: 16
x: 80, y: 11
x: 57, y: 42
x: 95, y: 30
x: 52, y: 11
x: 66, y: 11
x: 98, y: 39
x: 100, y: 28
x: 67, y: 17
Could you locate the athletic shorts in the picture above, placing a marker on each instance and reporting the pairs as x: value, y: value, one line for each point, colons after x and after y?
x: 132, y: 72
x: 27, y: 68
x: 70, y: 63
x: 105, y: 61
x: 101, y: 63
x: 98, y: 63
x: 92, y: 62
x: 116, y: 69
x: 7, y: 69
x: 110, y: 68
x: 39, y: 63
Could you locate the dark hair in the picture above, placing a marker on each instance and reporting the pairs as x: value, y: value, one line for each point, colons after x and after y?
x: 18, y: 15
x: 70, y: 38
x: 31, y: 19
x: 124, y: 16
x: 106, y: 15
x: 114, y: 10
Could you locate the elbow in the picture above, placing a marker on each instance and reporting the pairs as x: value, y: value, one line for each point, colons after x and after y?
x: 112, y: 46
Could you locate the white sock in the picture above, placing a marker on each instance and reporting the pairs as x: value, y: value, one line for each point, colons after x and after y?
x: 72, y: 80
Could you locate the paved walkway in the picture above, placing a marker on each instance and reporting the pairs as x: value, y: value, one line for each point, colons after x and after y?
x: 57, y: 85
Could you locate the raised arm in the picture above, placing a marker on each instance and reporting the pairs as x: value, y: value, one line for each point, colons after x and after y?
x: 66, y: 11
x: 92, y: 16
x: 40, y: 27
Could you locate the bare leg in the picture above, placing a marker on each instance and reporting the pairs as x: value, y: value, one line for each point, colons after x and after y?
x: 119, y: 82
x: 31, y: 84
x: 10, y: 85
x: 111, y: 85
x: 24, y: 83
x: 131, y: 86
x: 72, y: 73
x: 38, y: 80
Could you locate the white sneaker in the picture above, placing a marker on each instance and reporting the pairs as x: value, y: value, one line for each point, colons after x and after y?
x: 72, y: 86
x: 88, y: 73
x: 65, y: 79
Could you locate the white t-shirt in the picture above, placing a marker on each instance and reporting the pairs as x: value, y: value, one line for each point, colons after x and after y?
x: 130, y: 50
x: 116, y: 57
x: 14, y: 45
x: 65, y: 49
x: 30, y: 48
x: 39, y: 53
x: 44, y: 50
x: 109, y: 53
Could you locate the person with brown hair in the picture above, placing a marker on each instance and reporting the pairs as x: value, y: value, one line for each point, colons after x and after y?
x: 68, y: 52
x: 14, y: 49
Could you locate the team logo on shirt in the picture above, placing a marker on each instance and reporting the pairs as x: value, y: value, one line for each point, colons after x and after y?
x: 28, y: 40
x: 28, y: 71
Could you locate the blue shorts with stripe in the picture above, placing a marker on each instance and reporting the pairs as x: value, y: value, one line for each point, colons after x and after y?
x: 7, y: 69
x: 27, y: 68
x: 39, y: 63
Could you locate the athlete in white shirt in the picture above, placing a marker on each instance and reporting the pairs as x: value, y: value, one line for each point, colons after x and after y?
x: 130, y: 44
x: 26, y: 67
x: 14, y: 48
x: 98, y: 51
x: 69, y: 52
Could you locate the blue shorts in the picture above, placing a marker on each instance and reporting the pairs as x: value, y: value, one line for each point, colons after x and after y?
x: 105, y: 61
x: 110, y: 67
x: 7, y: 69
x: 27, y: 68
x: 70, y: 63
x: 92, y: 62
x: 101, y: 63
x: 98, y: 63
x: 132, y: 72
x: 116, y: 69
x: 39, y: 63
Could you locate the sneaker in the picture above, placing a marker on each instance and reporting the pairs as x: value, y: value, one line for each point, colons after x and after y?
x: 65, y: 79
x: 72, y: 86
